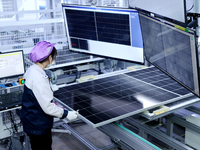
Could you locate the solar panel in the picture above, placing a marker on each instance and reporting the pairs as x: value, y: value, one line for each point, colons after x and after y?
x: 172, y: 49
x: 109, y: 32
x: 109, y: 99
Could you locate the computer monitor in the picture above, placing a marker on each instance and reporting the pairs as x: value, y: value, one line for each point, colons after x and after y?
x: 11, y: 64
x: 108, y: 32
x: 172, y: 49
x: 175, y: 10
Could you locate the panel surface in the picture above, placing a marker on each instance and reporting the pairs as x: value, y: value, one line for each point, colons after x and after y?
x: 112, y: 27
x: 156, y: 77
x: 109, y: 99
x: 172, y: 50
x: 81, y: 24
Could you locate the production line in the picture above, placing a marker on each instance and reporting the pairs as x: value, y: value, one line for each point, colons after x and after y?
x: 139, y: 104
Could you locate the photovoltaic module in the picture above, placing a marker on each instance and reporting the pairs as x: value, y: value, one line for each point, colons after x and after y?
x: 109, y: 99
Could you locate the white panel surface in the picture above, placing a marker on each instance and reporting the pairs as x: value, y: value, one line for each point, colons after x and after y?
x: 173, y: 9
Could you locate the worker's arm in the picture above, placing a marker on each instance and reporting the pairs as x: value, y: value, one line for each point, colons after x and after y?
x: 44, y: 96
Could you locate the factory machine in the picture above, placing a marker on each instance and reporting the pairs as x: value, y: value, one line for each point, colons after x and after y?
x: 132, y: 73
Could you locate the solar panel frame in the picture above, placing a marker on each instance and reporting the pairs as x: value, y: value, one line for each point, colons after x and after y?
x: 87, y: 87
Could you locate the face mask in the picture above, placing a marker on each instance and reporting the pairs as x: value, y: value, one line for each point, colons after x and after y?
x: 53, y: 63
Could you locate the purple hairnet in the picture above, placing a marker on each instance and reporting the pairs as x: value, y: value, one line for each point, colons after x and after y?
x: 41, y: 51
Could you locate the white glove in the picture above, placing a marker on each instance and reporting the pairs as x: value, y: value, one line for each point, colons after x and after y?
x: 54, y: 87
x: 72, y: 115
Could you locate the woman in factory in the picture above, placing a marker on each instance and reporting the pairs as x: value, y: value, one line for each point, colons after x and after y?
x: 38, y: 108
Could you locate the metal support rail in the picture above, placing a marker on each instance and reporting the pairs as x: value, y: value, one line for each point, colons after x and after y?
x: 109, y: 147
x: 120, y: 133
x: 184, y: 123
x: 159, y: 135
x: 194, y: 109
x: 57, y: 124
x: 79, y: 137
x: 189, y: 101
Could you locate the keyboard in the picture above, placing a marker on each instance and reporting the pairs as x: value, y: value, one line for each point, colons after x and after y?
x: 10, y: 100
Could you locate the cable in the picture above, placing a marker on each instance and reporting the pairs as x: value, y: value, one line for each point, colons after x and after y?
x: 11, y: 119
x: 18, y: 124
x: 10, y: 141
x: 190, y: 8
x: 8, y: 129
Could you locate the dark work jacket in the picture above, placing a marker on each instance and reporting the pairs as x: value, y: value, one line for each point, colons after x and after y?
x: 35, y: 120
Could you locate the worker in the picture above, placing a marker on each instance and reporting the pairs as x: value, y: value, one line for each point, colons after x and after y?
x: 38, y: 108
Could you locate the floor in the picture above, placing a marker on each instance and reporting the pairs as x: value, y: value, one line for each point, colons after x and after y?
x: 65, y: 141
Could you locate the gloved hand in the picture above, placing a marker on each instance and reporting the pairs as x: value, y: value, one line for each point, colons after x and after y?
x: 72, y: 115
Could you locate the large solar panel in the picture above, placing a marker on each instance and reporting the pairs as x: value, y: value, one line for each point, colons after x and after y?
x: 109, y: 32
x: 109, y: 99
x: 172, y: 49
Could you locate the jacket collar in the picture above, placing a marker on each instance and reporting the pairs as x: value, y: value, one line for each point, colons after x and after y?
x: 40, y: 70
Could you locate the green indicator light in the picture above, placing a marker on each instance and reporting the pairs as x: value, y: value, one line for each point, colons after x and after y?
x: 22, y: 82
x: 191, y: 38
x: 186, y: 30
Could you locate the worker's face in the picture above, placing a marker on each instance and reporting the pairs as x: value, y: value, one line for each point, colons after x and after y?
x: 51, y: 61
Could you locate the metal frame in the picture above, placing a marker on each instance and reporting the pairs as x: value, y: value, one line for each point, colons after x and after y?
x: 178, y: 21
x: 181, y: 122
x: 78, y: 136
x: 193, y: 109
x: 76, y: 63
x: 159, y: 135
x: 122, y: 135
x: 180, y: 104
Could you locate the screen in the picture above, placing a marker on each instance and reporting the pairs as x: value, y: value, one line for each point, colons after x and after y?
x: 172, y: 49
x: 173, y: 9
x: 107, y: 32
x: 11, y: 64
